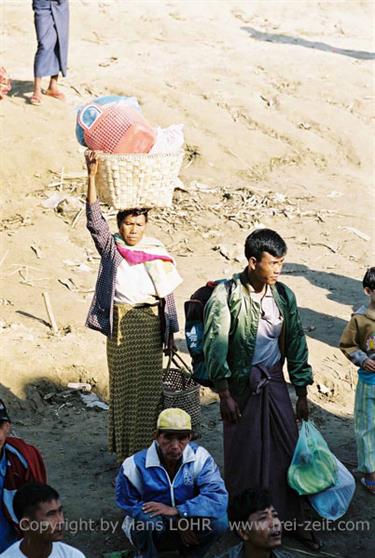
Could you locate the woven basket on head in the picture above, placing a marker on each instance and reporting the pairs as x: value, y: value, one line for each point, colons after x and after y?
x: 137, y: 179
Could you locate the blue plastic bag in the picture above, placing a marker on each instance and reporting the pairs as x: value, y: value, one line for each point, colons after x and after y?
x: 313, y: 467
x: 334, y: 502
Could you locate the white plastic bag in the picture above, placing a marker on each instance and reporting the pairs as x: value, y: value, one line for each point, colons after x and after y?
x: 168, y: 140
x: 334, y: 502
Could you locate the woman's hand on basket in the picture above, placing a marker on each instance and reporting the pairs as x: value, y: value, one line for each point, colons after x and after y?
x: 91, y: 163
x: 170, y: 347
x: 369, y: 365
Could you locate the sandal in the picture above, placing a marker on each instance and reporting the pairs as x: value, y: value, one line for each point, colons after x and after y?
x: 310, y: 541
x: 35, y: 100
x: 368, y: 484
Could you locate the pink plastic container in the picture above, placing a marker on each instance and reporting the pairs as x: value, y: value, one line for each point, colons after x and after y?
x: 118, y: 129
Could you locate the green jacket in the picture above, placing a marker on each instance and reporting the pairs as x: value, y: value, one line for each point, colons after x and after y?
x: 230, y: 329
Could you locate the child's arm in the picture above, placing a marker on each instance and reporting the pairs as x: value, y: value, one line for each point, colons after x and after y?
x: 349, y: 344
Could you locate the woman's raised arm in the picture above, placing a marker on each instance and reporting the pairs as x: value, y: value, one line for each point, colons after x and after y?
x: 92, y: 167
x: 96, y: 223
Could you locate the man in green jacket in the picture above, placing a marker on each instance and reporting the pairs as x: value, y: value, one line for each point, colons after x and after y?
x: 252, y: 326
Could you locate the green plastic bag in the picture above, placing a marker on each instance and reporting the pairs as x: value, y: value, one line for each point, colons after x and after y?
x: 313, y: 467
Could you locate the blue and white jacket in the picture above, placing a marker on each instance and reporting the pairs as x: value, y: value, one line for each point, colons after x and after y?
x: 197, y: 490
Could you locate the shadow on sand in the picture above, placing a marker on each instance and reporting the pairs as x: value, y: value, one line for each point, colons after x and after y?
x: 341, y: 289
x: 316, y: 45
x: 22, y: 89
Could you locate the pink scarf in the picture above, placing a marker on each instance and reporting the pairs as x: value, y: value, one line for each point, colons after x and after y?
x: 134, y: 257
x: 158, y: 263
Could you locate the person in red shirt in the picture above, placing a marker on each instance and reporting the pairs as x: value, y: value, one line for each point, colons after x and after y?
x: 20, y: 463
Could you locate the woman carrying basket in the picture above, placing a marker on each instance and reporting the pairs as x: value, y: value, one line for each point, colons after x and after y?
x: 134, y: 307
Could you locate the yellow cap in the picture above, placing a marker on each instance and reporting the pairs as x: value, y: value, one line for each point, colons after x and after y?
x: 174, y: 419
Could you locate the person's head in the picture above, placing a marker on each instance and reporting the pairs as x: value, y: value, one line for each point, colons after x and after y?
x: 173, y: 433
x: 369, y: 283
x: 39, y: 512
x: 5, y: 425
x: 259, y: 525
x: 132, y: 224
x: 265, y: 252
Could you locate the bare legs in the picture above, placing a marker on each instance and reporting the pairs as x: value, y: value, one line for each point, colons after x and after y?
x: 52, y: 90
x: 36, y: 99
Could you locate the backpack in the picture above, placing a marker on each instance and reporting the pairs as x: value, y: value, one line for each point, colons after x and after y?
x: 194, y: 328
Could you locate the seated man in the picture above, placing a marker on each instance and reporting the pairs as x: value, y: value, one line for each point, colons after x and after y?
x: 172, y: 492
x: 19, y: 463
x: 258, y: 525
x: 41, y: 519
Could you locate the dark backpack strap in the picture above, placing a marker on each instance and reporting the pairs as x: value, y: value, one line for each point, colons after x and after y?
x: 281, y: 290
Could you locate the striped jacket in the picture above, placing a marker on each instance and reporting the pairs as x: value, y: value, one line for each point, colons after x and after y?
x: 197, y: 489
x: 100, y: 316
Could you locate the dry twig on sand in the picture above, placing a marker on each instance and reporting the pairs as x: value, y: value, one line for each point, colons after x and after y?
x: 50, y: 314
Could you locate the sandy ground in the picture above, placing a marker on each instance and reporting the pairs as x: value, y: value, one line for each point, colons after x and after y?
x: 277, y: 102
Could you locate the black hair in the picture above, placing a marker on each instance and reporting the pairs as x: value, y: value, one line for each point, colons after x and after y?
x: 135, y: 212
x: 369, y: 279
x: 264, y: 240
x: 29, y: 496
x: 249, y: 501
x: 4, y: 416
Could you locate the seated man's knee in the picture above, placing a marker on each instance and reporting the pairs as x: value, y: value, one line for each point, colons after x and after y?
x: 135, y: 529
x: 148, y: 523
x: 142, y: 534
x: 220, y: 524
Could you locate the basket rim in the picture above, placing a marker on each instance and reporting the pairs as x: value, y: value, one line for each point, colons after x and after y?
x: 134, y: 156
